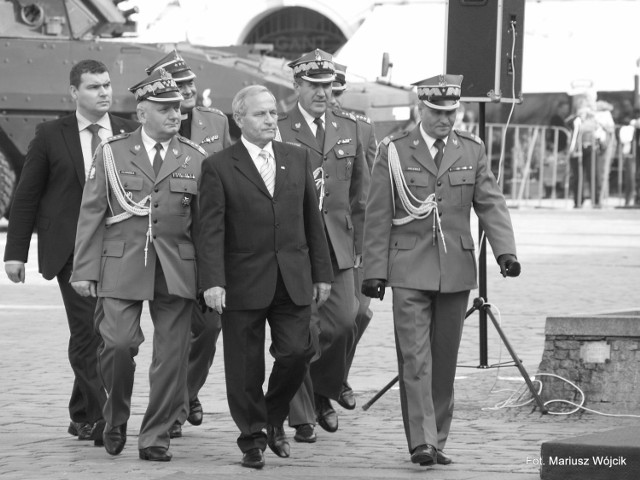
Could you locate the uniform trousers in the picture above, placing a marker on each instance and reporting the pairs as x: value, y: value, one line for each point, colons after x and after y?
x: 363, y: 317
x: 205, y: 329
x: 428, y: 328
x: 122, y: 336
x: 87, y: 394
x: 335, y: 327
x: 243, y: 336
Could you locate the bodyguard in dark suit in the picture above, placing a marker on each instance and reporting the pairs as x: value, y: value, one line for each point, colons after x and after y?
x: 418, y: 241
x: 209, y: 128
x: 48, y: 197
x: 333, y: 140
x: 263, y: 255
x: 136, y: 242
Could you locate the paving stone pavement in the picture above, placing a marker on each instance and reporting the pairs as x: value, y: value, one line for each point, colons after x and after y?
x: 574, y: 261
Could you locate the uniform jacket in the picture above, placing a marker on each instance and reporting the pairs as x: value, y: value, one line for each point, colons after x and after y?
x: 247, y: 235
x: 210, y: 129
x: 368, y: 139
x: 49, y: 192
x: 409, y: 256
x: 346, y: 176
x: 114, y: 255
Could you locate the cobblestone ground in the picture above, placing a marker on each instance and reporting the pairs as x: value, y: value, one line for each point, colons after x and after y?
x: 574, y: 261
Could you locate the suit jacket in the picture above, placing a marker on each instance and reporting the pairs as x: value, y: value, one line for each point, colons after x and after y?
x: 210, y: 129
x: 49, y: 192
x: 247, y: 235
x: 408, y: 255
x: 346, y: 176
x: 114, y: 256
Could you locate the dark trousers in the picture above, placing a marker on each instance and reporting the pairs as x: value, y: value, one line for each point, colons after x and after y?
x: 590, y: 182
x: 87, y: 395
x: 363, y: 318
x: 243, y: 334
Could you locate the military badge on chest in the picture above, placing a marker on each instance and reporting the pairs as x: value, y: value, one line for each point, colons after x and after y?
x: 186, y: 200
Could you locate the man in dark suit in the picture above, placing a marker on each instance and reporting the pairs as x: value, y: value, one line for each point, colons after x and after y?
x: 418, y: 241
x: 48, y: 197
x: 135, y: 242
x: 209, y: 128
x: 263, y: 255
x: 333, y: 140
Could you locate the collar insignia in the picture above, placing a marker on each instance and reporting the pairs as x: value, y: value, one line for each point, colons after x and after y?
x: 335, y: 125
x: 297, y: 125
x: 137, y: 148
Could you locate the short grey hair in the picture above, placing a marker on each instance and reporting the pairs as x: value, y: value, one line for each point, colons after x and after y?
x: 239, y: 104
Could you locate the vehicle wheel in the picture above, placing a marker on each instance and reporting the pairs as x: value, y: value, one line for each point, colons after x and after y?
x: 7, y: 184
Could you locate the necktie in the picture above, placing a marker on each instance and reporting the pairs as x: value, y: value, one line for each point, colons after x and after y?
x: 94, y: 128
x: 157, y: 158
x: 267, y: 171
x: 439, y: 144
x: 319, y: 133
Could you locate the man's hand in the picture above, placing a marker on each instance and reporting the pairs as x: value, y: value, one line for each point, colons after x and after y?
x: 203, y: 305
x: 358, y: 262
x: 321, y: 292
x: 216, y: 298
x: 373, y: 288
x: 15, y: 272
x: 509, y: 265
x: 85, y: 288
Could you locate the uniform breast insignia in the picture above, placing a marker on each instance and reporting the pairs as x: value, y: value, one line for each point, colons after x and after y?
x: 186, y: 200
x: 126, y: 172
x: 295, y: 144
x: 210, y: 139
x: 183, y: 175
x: 340, y: 152
x: 186, y: 162
x: 343, y: 140
x: 414, y: 169
x: 458, y: 169
x: 92, y: 171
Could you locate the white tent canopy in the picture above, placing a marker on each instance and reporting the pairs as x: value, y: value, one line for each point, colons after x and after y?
x: 564, y: 41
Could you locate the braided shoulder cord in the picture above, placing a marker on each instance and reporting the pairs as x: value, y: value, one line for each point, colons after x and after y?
x: 318, y: 176
x: 130, y: 207
x: 416, y: 209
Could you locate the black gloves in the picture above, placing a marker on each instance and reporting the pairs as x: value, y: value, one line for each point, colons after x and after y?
x: 203, y: 305
x: 509, y: 265
x: 373, y: 288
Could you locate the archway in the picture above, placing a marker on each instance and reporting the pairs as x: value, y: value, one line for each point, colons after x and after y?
x: 295, y: 30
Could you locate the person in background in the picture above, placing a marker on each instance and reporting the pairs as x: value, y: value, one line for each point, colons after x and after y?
x: 209, y: 128
x: 136, y: 241
x: 418, y: 241
x: 48, y: 198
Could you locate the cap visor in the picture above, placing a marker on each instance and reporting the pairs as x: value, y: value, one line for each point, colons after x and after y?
x: 320, y: 78
x: 435, y: 106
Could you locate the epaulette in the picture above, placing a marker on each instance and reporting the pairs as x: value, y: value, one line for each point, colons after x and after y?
x: 191, y: 144
x: 396, y: 136
x: 211, y: 110
x: 344, y: 114
x: 470, y: 136
x: 117, y: 137
x: 363, y: 118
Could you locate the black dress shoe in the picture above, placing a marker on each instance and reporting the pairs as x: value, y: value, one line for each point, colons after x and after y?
x: 347, y: 399
x: 443, y: 458
x: 175, y: 431
x: 253, y: 458
x: 154, y: 454
x: 73, y: 428
x: 82, y: 430
x: 277, y: 440
x: 305, y: 433
x: 325, y: 414
x: 195, y: 412
x: 114, y: 438
x: 424, y: 455
x: 96, y: 433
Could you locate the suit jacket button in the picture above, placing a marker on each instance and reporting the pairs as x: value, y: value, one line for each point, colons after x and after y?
x: 439, y: 199
x: 155, y: 220
x: 325, y: 211
x: 277, y: 225
x: 412, y: 180
x: 439, y: 183
x: 155, y: 205
x: 155, y: 189
x: 154, y: 237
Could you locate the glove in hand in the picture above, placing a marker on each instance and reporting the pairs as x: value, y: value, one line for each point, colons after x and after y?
x: 509, y: 265
x: 373, y: 288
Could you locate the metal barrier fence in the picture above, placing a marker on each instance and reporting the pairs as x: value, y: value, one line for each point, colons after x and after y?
x: 538, y: 171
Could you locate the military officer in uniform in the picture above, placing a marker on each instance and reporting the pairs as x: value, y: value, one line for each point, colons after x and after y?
x: 342, y: 178
x: 135, y: 242
x: 418, y: 241
x: 209, y: 128
x: 347, y: 398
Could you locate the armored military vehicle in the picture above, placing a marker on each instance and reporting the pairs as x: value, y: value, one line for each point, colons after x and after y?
x: 41, y: 39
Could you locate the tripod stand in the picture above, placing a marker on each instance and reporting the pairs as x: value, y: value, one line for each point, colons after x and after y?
x: 480, y: 305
